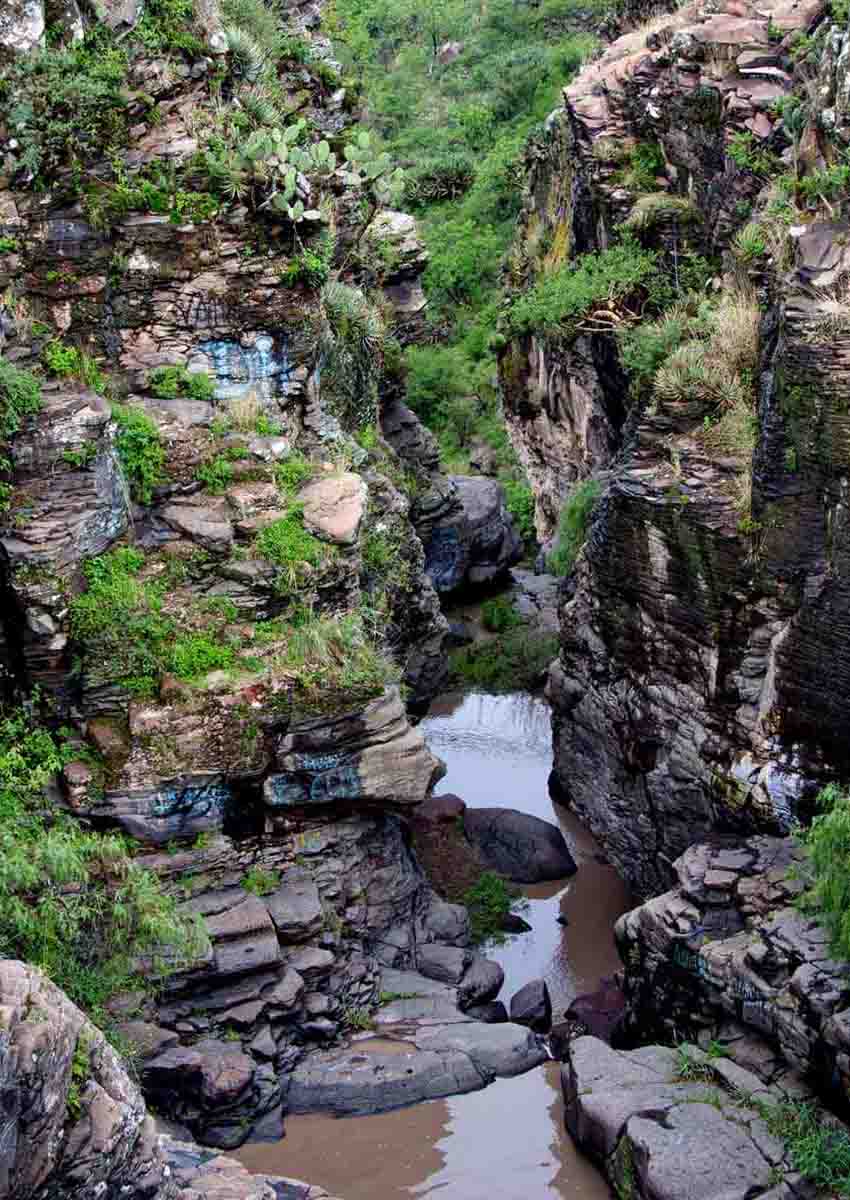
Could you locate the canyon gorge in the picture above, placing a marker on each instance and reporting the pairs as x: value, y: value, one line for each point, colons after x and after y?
x: 424, y: 599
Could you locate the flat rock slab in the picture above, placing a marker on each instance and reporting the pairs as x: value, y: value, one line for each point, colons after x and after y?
x: 347, y: 1082
x: 296, y: 910
x: 438, y: 1060
x: 421, y: 1010
x: 497, y: 1050
x: 662, y: 1137
x: 411, y: 983
x: 334, y: 507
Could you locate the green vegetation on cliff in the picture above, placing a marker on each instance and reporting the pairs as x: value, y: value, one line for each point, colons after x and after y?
x: 572, y: 526
x: 828, y: 843
x: 454, y: 90
x: 71, y: 901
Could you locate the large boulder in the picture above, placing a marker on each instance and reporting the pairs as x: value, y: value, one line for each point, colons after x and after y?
x: 482, y: 981
x: 471, y: 537
x: 74, y: 1124
x: 443, y: 963
x: 532, y: 1006
x: 523, y: 848
x: 334, y: 507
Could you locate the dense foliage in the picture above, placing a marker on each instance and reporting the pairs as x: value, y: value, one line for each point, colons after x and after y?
x: 457, y: 121
x: 72, y: 902
x: 828, y: 843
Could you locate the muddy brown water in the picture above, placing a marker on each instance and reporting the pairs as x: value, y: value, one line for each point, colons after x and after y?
x: 506, y: 1142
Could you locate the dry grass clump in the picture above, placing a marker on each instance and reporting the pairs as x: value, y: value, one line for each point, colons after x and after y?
x: 243, y: 411
x: 650, y: 209
x: 833, y: 316
x: 718, y: 370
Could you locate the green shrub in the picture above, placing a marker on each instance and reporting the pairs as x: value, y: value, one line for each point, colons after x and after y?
x: 499, y: 614
x: 71, y: 901
x: 169, y: 25
x: 519, y: 500
x: 287, y: 544
x: 828, y: 844
x: 140, y: 450
x: 216, y: 474
x: 119, y: 622
x: 515, y: 661
x: 353, y: 339
x: 293, y: 473
x: 260, y: 882
x: 572, y: 526
x: 559, y: 300
x: 62, y: 360
x: 750, y: 242
x: 66, y: 107
x: 20, y: 397
x: 168, y: 383
x: 748, y: 153
x: 437, y: 380
x: 197, y: 653
x: 309, y: 267
x: 488, y: 902
x: 644, y: 347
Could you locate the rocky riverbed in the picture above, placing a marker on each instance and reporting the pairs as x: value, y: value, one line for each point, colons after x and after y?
x: 497, y: 751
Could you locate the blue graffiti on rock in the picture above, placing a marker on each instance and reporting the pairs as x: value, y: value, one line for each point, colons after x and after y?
x: 240, y: 370
x: 318, y: 779
x: 203, y: 800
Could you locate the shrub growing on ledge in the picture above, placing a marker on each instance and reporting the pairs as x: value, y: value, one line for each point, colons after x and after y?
x: 167, y: 383
x: 139, y: 449
x: 120, y: 622
x: 20, y: 396
x: 572, y: 526
x: 72, y: 902
x: 287, y: 544
x: 558, y: 301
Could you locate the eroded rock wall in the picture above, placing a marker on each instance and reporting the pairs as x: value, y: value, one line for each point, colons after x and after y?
x: 703, y: 664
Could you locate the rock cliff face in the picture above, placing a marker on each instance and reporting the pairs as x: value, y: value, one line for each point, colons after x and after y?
x: 703, y: 669
x: 210, y: 563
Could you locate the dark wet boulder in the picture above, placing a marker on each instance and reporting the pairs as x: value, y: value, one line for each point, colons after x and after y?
x: 491, y: 1013
x: 441, y: 809
x: 523, y: 848
x: 512, y: 922
x: 532, y: 1006
x: 601, y: 1012
x: 481, y: 981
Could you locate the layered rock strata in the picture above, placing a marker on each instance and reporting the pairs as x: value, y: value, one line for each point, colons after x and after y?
x: 703, y: 669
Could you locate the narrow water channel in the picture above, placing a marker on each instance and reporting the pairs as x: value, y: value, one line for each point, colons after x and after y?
x: 508, y: 1141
